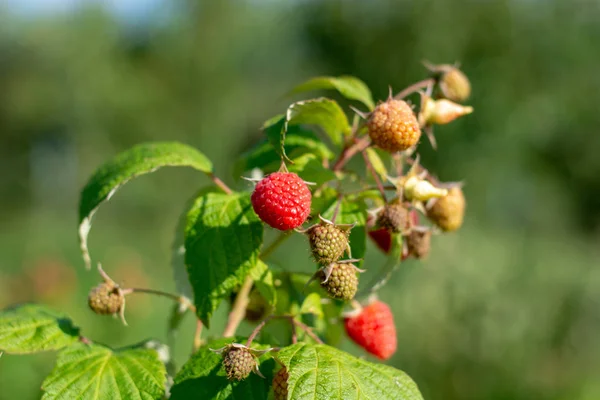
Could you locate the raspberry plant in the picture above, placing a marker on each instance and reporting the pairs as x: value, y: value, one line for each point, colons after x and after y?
x: 300, y: 186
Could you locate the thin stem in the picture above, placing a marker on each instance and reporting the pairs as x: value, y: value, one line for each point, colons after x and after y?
x: 414, y: 88
x: 238, y: 311
x: 350, y: 151
x: 180, y: 299
x: 220, y: 183
x: 374, y: 174
x: 258, y: 328
x: 308, y: 331
x: 197, y: 336
x: 292, y: 321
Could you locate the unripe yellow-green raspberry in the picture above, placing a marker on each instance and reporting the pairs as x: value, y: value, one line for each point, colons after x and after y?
x: 106, y: 299
x: 342, y: 283
x: 394, y: 217
x: 238, y: 363
x: 448, y: 212
x: 280, y: 384
x: 327, y: 243
x: 455, y: 85
x: 393, y: 126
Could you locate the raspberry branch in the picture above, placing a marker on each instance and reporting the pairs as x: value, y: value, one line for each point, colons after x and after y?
x: 239, y: 308
x: 184, y: 301
x: 425, y: 83
x: 350, y: 151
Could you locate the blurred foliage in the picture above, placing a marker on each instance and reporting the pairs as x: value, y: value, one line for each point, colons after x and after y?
x: 505, y: 309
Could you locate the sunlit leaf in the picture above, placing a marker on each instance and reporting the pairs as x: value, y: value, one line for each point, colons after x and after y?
x: 94, y: 372
x: 138, y: 160
x: 348, y: 86
x: 324, y: 372
x: 33, y: 328
x: 223, y: 236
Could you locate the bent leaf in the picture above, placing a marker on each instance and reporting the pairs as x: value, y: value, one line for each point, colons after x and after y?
x: 348, y: 86
x: 138, y: 160
x: 32, y: 328
x: 223, y: 236
x: 322, y: 112
x: 203, y: 376
x: 324, y: 372
x: 97, y: 372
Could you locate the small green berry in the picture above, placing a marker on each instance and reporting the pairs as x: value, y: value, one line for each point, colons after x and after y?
x: 327, y: 242
x: 238, y: 362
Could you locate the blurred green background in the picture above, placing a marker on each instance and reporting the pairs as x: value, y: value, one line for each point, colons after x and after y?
x: 507, y: 308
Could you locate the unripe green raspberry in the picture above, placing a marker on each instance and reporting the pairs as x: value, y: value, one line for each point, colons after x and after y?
x: 448, y: 212
x: 419, y: 243
x: 393, y: 126
x: 238, y: 363
x: 342, y: 282
x: 394, y: 217
x: 280, y: 384
x: 327, y: 243
x: 106, y: 299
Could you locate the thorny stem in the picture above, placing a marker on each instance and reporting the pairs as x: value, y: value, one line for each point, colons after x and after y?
x: 374, y: 174
x: 293, y: 322
x: 239, y: 308
x: 414, y: 87
x: 350, y: 151
x: 220, y: 183
x: 180, y: 299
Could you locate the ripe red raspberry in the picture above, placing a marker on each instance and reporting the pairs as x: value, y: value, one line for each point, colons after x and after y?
x: 373, y: 329
x: 282, y: 200
x: 280, y: 384
x: 393, y: 126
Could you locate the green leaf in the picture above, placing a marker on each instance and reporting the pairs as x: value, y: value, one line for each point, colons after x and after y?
x: 352, y: 211
x: 377, y: 163
x: 324, y: 372
x: 275, y: 132
x: 312, y: 305
x: 32, y: 328
x: 309, y: 168
x: 322, y: 112
x: 298, y: 141
x: 97, y: 372
x: 263, y: 280
x: 348, y: 86
x: 203, y: 377
x: 138, y: 160
x: 223, y: 236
